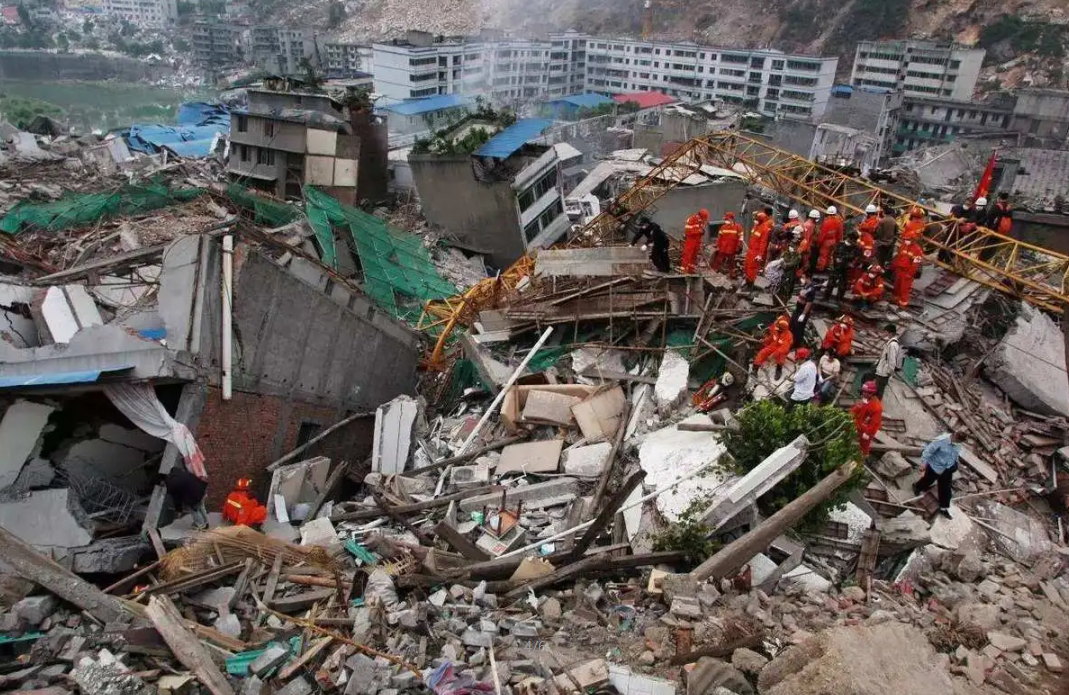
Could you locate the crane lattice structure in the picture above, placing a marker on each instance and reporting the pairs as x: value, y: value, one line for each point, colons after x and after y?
x: 1032, y: 273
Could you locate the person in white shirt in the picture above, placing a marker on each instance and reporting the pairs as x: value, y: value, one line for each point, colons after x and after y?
x: 890, y: 359
x: 828, y: 370
x: 805, y: 378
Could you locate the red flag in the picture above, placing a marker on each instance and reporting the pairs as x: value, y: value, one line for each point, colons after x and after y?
x: 985, y: 181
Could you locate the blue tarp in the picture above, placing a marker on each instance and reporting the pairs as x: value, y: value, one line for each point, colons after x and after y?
x: 198, y: 124
x: 588, y: 100
x: 514, y: 137
x: 52, y: 378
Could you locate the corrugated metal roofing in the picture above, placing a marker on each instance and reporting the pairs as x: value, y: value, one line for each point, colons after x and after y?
x: 514, y: 137
x: 646, y: 100
x: 427, y: 104
x: 588, y: 100
x: 56, y: 378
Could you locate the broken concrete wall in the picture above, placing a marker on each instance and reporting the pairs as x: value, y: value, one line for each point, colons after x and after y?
x: 296, y: 483
x: 20, y: 437
x: 47, y: 520
x: 669, y: 454
x: 681, y: 202
x: 1029, y: 364
x: 16, y: 325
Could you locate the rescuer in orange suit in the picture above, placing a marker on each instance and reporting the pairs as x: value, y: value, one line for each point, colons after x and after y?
x: 868, y: 417
x: 777, y: 344
x: 805, y: 244
x: 755, y: 252
x: 840, y: 337
x: 869, y: 287
x: 914, y: 228
x: 831, y: 232
x: 241, y: 508
x: 906, y: 264
x: 728, y: 241
x: 692, y: 239
x: 866, y: 245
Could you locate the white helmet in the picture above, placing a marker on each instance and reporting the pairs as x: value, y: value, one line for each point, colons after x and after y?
x: 798, y: 231
x: 870, y: 209
x: 832, y: 210
x: 792, y: 215
x: 814, y: 214
x: 981, y: 202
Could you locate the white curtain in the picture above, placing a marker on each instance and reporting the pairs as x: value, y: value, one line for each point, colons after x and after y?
x: 139, y: 403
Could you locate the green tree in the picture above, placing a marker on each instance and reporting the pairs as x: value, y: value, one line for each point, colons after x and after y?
x: 767, y: 425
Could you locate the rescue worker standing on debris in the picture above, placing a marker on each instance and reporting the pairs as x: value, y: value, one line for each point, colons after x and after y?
x: 777, y: 345
x: 757, y: 249
x: 867, y: 227
x: 840, y: 337
x: 940, y: 459
x: 693, y: 234
x: 782, y: 235
x: 831, y: 233
x: 658, y: 243
x: 241, y: 508
x: 916, y: 225
x: 728, y: 241
x: 810, y: 231
x: 906, y: 266
x: 792, y: 263
x: 886, y: 233
x: 868, y: 417
x: 866, y: 246
x: 869, y: 287
x: 1001, y: 217
x: 845, y: 257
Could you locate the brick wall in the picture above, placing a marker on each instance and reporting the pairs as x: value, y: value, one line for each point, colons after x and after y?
x: 242, y: 436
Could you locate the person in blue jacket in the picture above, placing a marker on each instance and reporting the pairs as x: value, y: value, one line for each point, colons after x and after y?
x: 940, y: 459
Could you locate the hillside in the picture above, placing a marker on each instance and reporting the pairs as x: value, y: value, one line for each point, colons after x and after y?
x: 1035, y: 32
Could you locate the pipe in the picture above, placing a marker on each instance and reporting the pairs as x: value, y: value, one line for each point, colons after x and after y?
x: 228, y: 316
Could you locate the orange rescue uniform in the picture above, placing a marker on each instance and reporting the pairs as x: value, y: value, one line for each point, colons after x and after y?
x: 869, y: 288
x: 914, y: 228
x: 755, y: 254
x: 692, y: 241
x: 868, y: 417
x: 728, y: 241
x: 777, y: 344
x: 831, y: 233
x: 905, y: 265
x: 839, y: 337
x: 244, y: 510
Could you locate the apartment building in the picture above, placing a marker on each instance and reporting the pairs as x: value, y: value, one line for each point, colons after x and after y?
x: 218, y: 45
x: 423, y: 65
x: 517, y: 70
x: 925, y: 122
x: 771, y: 82
x: 567, y: 64
x: 344, y: 60
x: 146, y: 13
x: 918, y: 68
x: 281, y: 50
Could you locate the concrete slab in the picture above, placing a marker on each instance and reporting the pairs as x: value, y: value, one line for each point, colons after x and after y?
x: 298, y: 482
x: 530, y: 457
x: 182, y: 527
x: 135, y: 439
x: 1023, y: 538
x: 599, y: 415
x: 670, y: 454
x: 803, y: 576
x: 958, y: 532
x: 47, y: 520
x: 536, y: 496
x: 605, y: 261
x: 394, y: 425
x: 672, y: 377
x: 587, y: 461
x: 20, y: 434
x: 58, y: 316
x: 1029, y: 364
x: 93, y: 458
x: 741, y: 492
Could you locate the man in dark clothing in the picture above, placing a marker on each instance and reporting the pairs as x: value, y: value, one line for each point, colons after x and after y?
x: 964, y: 218
x: 187, y: 493
x: 886, y: 233
x: 847, y: 253
x: 657, y: 240
x: 803, y: 310
x: 791, y: 263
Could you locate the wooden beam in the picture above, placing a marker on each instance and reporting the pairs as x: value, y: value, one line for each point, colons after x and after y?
x: 157, y: 543
x: 607, y: 513
x: 192, y: 581
x: 610, y: 461
x: 241, y: 584
x: 297, y: 664
x: 32, y: 565
x: 316, y: 439
x: 391, y: 511
x: 131, y: 577
x: 460, y: 543
x: 738, y: 552
x: 186, y: 647
x: 593, y: 564
x: 419, y: 506
x: 452, y: 461
x: 292, y: 604
x: 717, y: 652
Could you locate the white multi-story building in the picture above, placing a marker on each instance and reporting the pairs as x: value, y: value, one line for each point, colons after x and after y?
x: 768, y: 81
x: 918, y: 68
x: 146, y: 13
x: 423, y: 66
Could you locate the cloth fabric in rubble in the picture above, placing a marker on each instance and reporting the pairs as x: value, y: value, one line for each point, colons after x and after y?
x: 139, y: 403
x: 941, y: 454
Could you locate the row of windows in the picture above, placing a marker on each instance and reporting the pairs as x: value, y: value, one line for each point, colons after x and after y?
x: 263, y: 156
x: 540, y: 187
x: 540, y: 223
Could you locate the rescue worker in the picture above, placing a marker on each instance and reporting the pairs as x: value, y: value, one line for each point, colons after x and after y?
x: 1001, y: 217
x: 692, y: 239
x: 831, y: 233
x: 844, y: 258
x: 840, y: 337
x: 869, y: 287
x: 758, y: 247
x: 866, y: 245
x: 871, y: 221
x: 241, y: 508
x: 964, y: 220
x: 777, y: 345
x: 792, y: 264
x: 915, y: 226
x: 906, y: 265
x: 728, y: 241
x: 809, y: 237
x: 868, y: 417
x: 781, y: 236
x: 658, y: 243
x: 187, y: 493
x: 890, y: 360
x: 886, y: 233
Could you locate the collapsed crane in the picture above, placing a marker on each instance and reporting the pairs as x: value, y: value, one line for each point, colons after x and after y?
x: 1026, y: 271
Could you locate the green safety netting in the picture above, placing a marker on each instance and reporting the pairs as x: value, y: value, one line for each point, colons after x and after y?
x: 396, y: 265
x: 87, y: 209
x: 267, y: 212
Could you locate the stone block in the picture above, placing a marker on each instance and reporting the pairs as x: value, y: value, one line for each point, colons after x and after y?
x: 1052, y: 662
x: 892, y: 465
x: 297, y: 686
x: 587, y: 461
x: 33, y: 610
x: 271, y: 659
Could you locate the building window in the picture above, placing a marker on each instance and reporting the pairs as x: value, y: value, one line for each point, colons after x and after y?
x: 265, y: 157
x: 243, y: 124
x: 269, y: 129
x: 777, y: 64
x: 244, y: 150
x: 306, y: 432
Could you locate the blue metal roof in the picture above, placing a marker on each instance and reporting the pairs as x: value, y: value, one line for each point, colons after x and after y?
x: 415, y: 107
x: 514, y: 137
x: 56, y: 378
x: 588, y: 100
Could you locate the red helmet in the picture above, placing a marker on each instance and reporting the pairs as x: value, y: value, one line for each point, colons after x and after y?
x: 916, y: 212
x: 760, y: 217
x: 848, y: 320
x: 869, y: 388
x: 783, y: 322
x: 703, y: 213
x: 801, y: 353
x: 243, y: 484
x: 729, y: 215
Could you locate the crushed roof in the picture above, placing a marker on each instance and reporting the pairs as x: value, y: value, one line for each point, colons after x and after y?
x: 1044, y: 175
x: 511, y: 139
